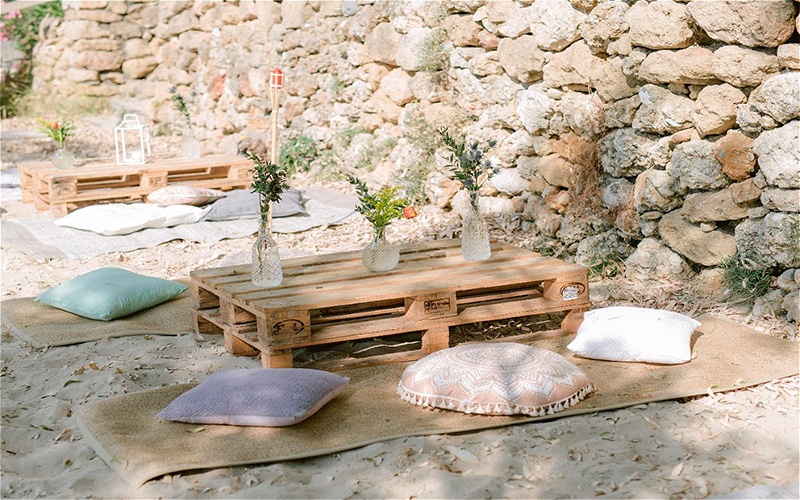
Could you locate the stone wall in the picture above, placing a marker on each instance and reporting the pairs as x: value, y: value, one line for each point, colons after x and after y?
x: 663, y: 130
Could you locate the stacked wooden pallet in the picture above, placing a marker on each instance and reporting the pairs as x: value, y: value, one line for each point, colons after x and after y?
x: 334, y: 298
x: 64, y: 190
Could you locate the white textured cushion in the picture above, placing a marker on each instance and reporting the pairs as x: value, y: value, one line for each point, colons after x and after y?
x: 184, y: 195
x: 117, y: 218
x: 635, y: 334
x: 267, y: 397
x: 500, y: 378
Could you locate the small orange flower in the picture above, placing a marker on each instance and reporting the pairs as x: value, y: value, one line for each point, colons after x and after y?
x: 409, y: 212
x: 55, y: 125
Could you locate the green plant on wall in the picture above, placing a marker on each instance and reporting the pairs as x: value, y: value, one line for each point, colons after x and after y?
x: 433, y: 57
x: 335, y: 87
x: 14, y: 84
x: 745, y: 276
x: 326, y: 164
x: 344, y: 137
x: 421, y: 134
x: 606, y: 266
x: 793, y: 235
x: 375, y: 152
x: 297, y: 154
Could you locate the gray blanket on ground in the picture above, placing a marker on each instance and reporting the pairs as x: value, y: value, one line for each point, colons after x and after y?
x: 39, y: 238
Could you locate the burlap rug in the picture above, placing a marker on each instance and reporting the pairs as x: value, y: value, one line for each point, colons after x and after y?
x: 45, y: 326
x: 126, y: 433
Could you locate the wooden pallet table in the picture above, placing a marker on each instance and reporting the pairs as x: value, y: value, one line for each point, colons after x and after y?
x: 334, y: 298
x: 64, y: 190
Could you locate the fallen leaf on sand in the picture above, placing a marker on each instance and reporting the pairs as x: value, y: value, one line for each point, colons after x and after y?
x: 460, y: 454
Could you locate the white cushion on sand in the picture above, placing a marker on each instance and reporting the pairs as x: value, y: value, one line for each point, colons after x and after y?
x: 635, y: 334
x: 117, y: 218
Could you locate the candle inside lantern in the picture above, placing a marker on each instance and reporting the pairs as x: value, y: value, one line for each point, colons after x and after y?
x: 276, y: 79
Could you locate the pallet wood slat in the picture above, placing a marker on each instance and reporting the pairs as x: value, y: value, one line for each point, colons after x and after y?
x: 64, y: 190
x: 333, y: 298
x: 355, y: 271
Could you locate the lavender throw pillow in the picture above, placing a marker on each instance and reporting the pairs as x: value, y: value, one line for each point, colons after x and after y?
x: 267, y: 397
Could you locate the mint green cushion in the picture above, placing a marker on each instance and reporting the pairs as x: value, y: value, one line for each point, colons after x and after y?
x: 110, y: 293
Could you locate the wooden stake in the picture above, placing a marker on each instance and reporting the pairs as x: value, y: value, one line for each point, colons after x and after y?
x: 275, y: 97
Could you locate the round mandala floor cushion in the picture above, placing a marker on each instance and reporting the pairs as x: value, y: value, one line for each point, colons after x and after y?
x: 495, y: 379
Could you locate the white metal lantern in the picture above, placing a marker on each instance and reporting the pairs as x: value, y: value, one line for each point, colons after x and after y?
x: 132, y: 141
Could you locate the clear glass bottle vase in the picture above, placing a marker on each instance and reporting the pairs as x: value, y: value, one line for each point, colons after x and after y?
x: 474, y: 232
x: 380, y: 255
x: 190, y: 146
x: 267, y: 271
x: 63, y: 158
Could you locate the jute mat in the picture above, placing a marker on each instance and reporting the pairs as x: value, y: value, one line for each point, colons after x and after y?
x: 125, y: 432
x: 45, y: 326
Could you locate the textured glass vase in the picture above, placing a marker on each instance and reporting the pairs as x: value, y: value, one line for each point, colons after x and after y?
x: 63, y: 158
x: 380, y: 255
x: 190, y: 147
x: 474, y: 232
x: 267, y: 271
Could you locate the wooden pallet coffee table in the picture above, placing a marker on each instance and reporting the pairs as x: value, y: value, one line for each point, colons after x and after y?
x: 334, y: 298
x: 64, y: 190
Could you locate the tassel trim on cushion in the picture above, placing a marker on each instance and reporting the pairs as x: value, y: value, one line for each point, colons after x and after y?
x: 448, y: 403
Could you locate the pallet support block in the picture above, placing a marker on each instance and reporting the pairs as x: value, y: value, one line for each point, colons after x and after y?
x: 569, y: 288
x: 436, y: 338
x: 233, y: 314
x: 202, y: 298
x: 573, y: 320
x: 436, y: 305
x: 237, y: 346
x: 202, y: 325
x: 277, y: 358
x: 154, y: 180
x: 63, y: 187
x: 239, y: 173
x: 284, y: 327
x: 58, y: 210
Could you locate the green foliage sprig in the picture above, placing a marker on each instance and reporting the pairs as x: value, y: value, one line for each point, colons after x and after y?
x: 468, y: 161
x: 433, y: 58
x: 269, y: 181
x: 745, y: 276
x: 298, y: 154
x: 59, y: 132
x: 180, y: 103
x: 380, y: 208
x: 15, y: 82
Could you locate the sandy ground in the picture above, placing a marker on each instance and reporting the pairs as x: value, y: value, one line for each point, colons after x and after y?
x: 708, y: 446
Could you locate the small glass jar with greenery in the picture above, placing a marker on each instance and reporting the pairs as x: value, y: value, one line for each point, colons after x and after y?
x: 381, y: 208
x: 190, y: 147
x: 471, y: 167
x: 269, y: 181
x: 59, y: 132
